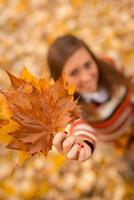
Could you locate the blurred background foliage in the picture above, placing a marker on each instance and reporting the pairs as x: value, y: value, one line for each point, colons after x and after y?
x: 27, y: 28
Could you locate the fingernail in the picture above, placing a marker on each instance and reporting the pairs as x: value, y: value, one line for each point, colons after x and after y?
x: 81, y: 145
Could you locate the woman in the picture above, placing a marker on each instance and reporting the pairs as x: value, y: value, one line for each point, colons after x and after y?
x: 105, y: 94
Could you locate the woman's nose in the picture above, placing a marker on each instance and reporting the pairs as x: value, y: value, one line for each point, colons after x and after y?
x: 84, y: 76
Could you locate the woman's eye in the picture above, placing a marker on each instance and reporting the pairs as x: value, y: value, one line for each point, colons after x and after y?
x: 74, y: 73
x: 87, y: 65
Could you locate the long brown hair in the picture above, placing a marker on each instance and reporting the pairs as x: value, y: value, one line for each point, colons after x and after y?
x: 65, y: 46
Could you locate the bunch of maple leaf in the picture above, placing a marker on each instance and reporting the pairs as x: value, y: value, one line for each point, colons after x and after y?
x: 38, y: 110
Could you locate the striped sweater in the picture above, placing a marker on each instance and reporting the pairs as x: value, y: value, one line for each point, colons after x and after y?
x: 116, y: 115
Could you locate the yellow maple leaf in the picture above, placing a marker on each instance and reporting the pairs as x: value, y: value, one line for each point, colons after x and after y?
x: 22, y: 156
x: 39, y: 110
x: 5, y: 112
x: 37, y: 83
x: 10, y: 125
x: 4, y: 130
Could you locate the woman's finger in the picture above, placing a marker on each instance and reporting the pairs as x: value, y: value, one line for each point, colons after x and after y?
x: 58, y: 141
x: 82, y: 155
x: 85, y: 153
x: 88, y: 152
x: 68, y: 143
x: 73, y: 153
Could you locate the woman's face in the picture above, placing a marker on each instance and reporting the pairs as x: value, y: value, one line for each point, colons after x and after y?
x: 81, y: 71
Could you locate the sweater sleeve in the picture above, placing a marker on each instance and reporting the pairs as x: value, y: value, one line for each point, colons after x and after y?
x: 81, y: 128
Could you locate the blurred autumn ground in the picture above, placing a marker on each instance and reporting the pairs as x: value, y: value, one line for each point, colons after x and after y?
x: 26, y: 30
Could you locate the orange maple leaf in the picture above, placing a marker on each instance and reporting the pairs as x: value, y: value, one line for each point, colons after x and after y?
x: 40, y: 112
x: 3, y: 122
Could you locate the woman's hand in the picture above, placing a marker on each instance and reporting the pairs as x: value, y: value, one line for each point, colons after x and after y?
x: 73, y: 147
